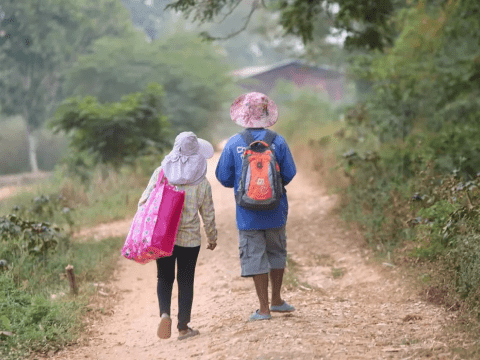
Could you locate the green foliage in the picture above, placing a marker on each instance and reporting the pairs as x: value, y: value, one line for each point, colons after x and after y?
x: 33, y: 257
x: 39, y: 39
x: 38, y: 322
x: 191, y: 73
x: 432, y: 220
x: 46, y: 207
x: 426, y: 81
x: 104, y: 195
x: 367, y: 22
x: 115, y: 133
x: 35, y: 322
x: 467, y: 263
x: 27, y: 239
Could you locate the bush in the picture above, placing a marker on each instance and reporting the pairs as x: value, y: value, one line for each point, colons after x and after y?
x: 34, y: 323
x: 23, y: 241
x: 35, y: 311
x: 467, y: 262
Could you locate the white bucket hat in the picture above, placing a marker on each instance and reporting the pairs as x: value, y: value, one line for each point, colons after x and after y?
x: 187, y: 162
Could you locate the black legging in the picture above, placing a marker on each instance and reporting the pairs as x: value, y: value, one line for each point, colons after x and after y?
x: 186, y: 258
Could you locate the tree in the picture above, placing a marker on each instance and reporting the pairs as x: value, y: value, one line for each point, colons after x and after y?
x: 148, y: 15
x: 367, y: 22
x: 115, y: 133
x: 190, y: 71
x: 38, y: 40
x: 426, y: 87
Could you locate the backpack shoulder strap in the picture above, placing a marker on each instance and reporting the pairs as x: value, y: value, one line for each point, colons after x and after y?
x: 270, y: 137
x: 247, y: 137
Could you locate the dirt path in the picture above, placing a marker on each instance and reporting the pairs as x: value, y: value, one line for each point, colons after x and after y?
x: 9, y: 191
x: 354, y: 311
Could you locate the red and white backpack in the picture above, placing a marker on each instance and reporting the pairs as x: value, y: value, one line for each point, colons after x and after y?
x: 260, y: 186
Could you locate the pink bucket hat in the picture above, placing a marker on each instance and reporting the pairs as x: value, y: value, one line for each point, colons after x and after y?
x: 254, y: 110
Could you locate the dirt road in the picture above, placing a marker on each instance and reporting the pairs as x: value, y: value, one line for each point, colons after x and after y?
x: 356, y: 309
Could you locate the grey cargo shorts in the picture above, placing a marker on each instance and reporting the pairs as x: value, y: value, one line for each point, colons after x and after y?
x: 262, y: 250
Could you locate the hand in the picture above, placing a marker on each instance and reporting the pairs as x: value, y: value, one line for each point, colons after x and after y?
x: 212, y: 246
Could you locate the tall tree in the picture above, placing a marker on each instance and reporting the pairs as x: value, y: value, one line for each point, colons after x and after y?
x: 191, y: 72
x: 39, y: 39
x: 367, y: 22
x: 115, y: 133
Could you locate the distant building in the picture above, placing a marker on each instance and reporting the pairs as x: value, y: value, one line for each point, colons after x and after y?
x: 263, y: 78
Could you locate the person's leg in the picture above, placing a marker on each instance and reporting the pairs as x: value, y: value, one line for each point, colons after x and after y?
x: 276, y: 278
x: 186, y: 263
x: 165, y: 279
x: 253, y: 260
x: 261, y: 285
x: 276, y: 248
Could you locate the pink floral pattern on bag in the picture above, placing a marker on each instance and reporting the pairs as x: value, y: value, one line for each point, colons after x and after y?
x: 149, y: 238
x: 254, y: 110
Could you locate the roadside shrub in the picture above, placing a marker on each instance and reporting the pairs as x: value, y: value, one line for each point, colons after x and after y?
x: 33, y: 323
x: 37, y: 314
x: 467, y: 263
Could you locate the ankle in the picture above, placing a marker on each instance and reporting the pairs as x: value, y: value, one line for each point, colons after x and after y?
x: 264, y: 311
x: 277, y: 301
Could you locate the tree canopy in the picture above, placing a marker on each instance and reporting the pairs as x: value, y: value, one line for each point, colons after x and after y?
x: 115, y: 133
x: 39, y: 39
x: 191, y: 72
x: 426, y: 87
x: 367, y: 22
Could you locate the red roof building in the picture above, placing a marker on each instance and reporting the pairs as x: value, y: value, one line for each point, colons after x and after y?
x: 321, y: 79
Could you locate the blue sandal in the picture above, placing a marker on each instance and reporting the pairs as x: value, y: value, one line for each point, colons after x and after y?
x: 285, y: 307
x: 256, y: 316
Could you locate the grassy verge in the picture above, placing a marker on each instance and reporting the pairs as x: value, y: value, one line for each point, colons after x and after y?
x: 106, y: 197
x: 412, y: 215
x: 37, y: 312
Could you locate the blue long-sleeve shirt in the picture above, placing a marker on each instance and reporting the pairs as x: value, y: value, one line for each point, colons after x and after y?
x: 229, y: 171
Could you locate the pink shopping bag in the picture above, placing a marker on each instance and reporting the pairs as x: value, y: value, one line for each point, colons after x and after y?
x: 154, y: 228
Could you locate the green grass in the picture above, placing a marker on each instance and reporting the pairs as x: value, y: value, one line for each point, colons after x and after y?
x: 32, y: 320
x: 104, y: 199
x: 337, y: 272
x: 290, y: 277
x: 37, y: 322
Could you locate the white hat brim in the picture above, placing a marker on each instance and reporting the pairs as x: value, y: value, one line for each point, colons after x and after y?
x: 205, y: 149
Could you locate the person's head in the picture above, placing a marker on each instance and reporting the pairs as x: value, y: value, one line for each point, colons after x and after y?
x: 188, y: 144
x: 186, y: 164
x: 254, y: 110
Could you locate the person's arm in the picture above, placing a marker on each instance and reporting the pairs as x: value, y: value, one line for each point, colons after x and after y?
x: 288, y: 170
x: 225, y: 171
x: 150, y: 187
x: 207, y: 212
